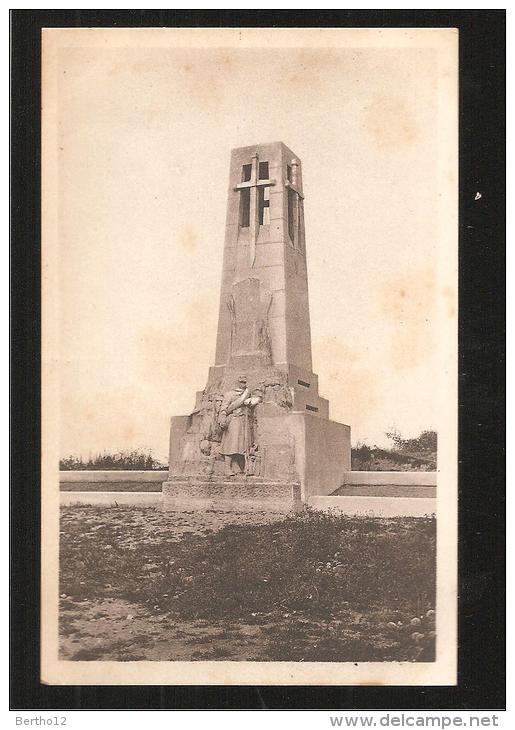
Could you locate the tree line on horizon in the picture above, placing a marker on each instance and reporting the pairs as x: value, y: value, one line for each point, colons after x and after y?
x: 133, y: 460
x: 404, y: 454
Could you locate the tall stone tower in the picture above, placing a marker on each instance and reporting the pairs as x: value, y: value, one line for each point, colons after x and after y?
x: 263, y: 334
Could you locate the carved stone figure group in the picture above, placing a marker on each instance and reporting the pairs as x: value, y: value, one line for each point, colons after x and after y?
x: 234, y: 420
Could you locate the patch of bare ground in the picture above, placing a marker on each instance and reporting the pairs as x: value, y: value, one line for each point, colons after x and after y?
x: 137, y: 583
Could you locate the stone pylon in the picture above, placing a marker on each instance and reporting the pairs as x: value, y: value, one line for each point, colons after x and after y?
x: 263, y: 334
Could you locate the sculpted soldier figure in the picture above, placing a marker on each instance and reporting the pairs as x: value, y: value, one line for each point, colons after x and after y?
x: 234, y: 423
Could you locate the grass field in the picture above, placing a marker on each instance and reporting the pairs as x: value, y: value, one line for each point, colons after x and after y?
x: 137, y: 583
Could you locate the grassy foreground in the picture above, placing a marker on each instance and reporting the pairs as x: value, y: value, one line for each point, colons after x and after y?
x: 138, y: 583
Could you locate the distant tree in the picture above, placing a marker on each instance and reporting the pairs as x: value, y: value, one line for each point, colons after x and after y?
x: 415, y: 454
x: 425, y: 443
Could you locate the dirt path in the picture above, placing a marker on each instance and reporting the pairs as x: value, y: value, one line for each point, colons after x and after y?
x: 115, y: 630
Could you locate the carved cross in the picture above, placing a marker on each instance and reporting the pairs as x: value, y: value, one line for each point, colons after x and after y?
x: 254, y: 183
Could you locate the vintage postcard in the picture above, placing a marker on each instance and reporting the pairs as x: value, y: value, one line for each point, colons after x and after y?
x: 249, y: 271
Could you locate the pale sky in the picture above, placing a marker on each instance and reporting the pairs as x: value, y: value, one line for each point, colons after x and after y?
x: 144, y: 141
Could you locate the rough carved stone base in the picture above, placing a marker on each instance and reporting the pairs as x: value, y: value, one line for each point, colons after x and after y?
x: 235, y: 495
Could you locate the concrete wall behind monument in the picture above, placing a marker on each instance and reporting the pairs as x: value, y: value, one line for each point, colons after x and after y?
x: 264, y: 334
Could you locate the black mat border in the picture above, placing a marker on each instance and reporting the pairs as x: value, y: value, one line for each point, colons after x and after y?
x: 482, y: 371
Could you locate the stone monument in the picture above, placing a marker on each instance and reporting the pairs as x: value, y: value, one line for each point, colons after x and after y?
x: 260, y: 432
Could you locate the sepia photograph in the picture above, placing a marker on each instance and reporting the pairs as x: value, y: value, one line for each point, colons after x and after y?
x: 249, y: 356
